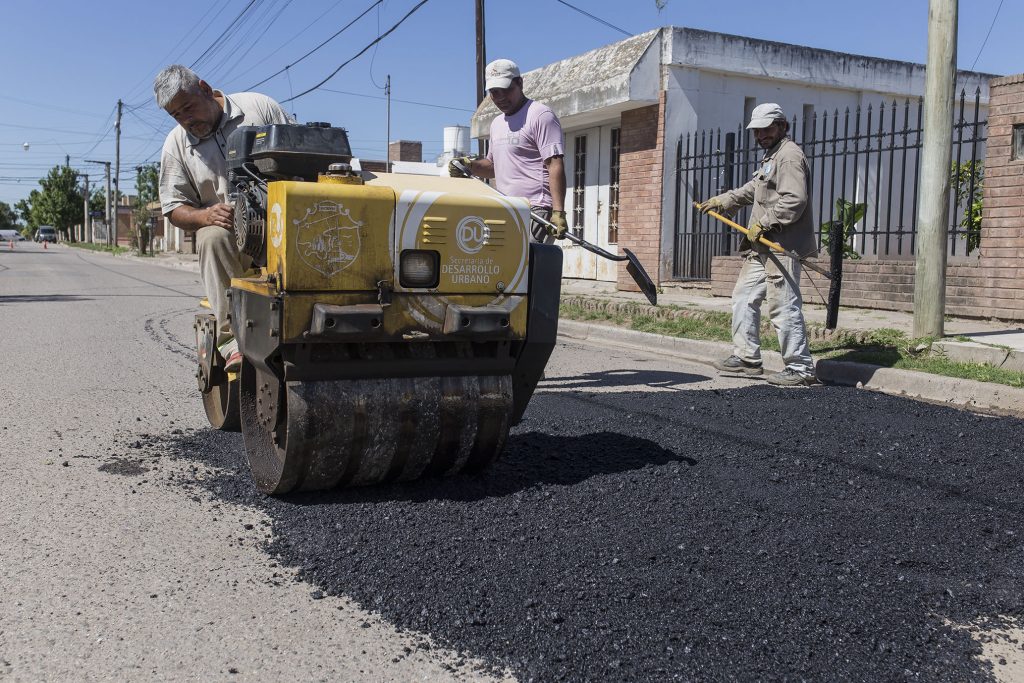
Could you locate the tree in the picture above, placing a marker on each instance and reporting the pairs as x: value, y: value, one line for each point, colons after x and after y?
x: 98, y: 200
x: 8, y: 217
x: 147, y: 189
x: 967, y: 181
x: 24, y: 209
x: 60, y: 202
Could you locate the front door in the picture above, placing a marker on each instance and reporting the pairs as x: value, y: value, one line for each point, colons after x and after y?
x: 591, y: 202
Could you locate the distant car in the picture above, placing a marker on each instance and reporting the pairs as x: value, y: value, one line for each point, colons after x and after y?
x: 11, y: 236
x: 46, y: 233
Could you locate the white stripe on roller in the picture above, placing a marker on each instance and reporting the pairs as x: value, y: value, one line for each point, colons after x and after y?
x: 519, y: 208
x: 410, y: 209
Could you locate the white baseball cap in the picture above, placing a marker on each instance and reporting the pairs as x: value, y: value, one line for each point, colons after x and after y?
x: 500, y: 72
x: 765, y: 115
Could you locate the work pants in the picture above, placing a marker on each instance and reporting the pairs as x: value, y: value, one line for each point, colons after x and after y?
x: 776, y: 278
x: 219, y: 261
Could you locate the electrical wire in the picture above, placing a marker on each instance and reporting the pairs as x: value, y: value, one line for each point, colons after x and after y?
x: 361, y: 52
x: 223, y: 33
x: 338, y: 33
x: 292, y: 39
x: 253, y: 42
x: 222, y: 52
x: 50, y: 106
x: 985, y: 42
x: 241, y: 40
x: 597, y: 19
x: 191, y: 32
x: 381, y: 97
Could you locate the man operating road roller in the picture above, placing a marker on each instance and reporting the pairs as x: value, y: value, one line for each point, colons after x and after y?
x: 193, y: 178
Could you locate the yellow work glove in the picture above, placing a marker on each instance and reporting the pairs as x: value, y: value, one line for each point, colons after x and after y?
x: 561, y: 226
x: 755, y: 232
x: 714, y: 204
x: 455, y: 172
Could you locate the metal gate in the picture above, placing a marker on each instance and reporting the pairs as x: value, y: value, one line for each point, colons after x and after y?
x: 870, y: 156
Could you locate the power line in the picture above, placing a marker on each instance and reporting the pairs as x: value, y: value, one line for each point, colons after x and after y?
x: 343, y: 28
x: 597, y: 19
x: 253, y: 42
x: 224, y: 33
x: 191, y: 32
x: 240, y: 37
x: 984, y: 42
x: 50, y: 106
x: 360, y: 53
x: 292, y: 39
x: 381, y: 97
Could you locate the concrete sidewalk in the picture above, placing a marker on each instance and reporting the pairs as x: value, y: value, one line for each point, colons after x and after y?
x: 994, y: 343
x: 983, y: 333
x: 1010, y: 335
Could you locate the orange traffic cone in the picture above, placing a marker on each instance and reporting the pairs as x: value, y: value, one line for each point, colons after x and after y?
x: 44, y: 244
x: 10, y: 245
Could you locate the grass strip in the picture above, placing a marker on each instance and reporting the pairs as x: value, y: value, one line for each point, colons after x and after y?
x: 111, y: 249
x: 885, y: 347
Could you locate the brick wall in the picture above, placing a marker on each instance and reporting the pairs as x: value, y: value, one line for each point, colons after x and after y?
x: 1002, y: 219
x: 992, y: 286
x: 405, y: 150
x: 889, y: 286
x: 641, y: 160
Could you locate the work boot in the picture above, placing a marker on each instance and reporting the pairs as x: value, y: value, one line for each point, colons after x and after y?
x: 791, y: 378
x: 734, y: 365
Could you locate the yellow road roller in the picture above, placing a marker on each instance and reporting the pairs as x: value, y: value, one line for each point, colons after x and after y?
x: 395, y: 326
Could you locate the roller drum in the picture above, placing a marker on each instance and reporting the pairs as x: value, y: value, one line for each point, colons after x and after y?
x: 356, y: 432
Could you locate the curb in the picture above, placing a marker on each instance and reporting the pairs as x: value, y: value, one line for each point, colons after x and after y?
x: 962, y: 393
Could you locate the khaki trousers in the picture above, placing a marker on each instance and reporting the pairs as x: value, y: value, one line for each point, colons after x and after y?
x: 219, y: 261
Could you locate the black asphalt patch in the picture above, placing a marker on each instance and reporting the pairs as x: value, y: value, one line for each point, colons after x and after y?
x: 756, y: 533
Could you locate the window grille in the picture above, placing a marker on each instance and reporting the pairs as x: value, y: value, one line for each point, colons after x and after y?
x: 579, y: 188
x: 613, y: 189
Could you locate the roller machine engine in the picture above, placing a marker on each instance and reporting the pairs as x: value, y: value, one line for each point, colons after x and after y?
x: 393, y: 326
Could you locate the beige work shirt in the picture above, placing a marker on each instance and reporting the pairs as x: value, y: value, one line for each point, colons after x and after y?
x: 194, y: 172
x: 780, y: 193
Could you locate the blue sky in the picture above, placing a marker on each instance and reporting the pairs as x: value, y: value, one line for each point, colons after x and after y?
x: 67, y: 63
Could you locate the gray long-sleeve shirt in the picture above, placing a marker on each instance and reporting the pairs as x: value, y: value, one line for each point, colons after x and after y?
x: 780, y: 193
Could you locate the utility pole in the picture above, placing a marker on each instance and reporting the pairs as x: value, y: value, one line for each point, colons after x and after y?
x: 85, y: 214
x: 67, y: 160
x: 112, y: 227
x: 106, y: 213
x: 387, y: 155
x: 936, y: 152
x: 481, y: 61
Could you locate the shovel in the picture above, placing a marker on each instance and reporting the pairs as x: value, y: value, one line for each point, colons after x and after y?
x: 774, y: 246
x: 633, y: 267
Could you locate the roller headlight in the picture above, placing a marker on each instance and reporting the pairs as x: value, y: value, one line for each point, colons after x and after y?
x: 419, y: 268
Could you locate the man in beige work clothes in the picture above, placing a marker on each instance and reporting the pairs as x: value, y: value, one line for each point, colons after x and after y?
x: 194, y: 178
x: 779, y: 193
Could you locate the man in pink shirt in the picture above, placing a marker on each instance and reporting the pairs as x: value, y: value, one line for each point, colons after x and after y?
x: 526, y: 152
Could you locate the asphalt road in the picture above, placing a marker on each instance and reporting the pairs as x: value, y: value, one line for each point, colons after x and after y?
x: 647, y: 522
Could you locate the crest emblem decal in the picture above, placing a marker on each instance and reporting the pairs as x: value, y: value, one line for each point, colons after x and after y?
x: 327, y: 238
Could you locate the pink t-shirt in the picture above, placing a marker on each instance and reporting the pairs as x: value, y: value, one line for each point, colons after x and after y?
x: 520, y: 144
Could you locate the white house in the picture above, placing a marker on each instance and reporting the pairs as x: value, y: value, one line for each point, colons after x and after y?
x: 625, y: 108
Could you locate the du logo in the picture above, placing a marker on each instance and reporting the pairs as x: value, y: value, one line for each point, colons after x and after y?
x: 472, y: 234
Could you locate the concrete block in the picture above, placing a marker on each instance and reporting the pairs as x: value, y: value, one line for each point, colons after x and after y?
x: 970, y: 352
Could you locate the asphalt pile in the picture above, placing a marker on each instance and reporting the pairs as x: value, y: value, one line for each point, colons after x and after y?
x: 694, y: 535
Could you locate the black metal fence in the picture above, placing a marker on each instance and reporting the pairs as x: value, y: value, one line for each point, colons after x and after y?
x: 870, y: 156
